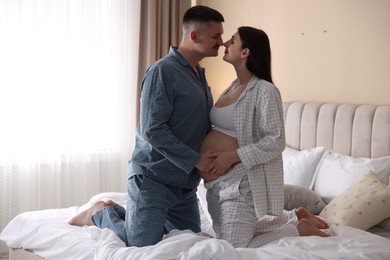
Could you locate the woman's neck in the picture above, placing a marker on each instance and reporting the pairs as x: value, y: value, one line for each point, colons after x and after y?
x: 243, y: 76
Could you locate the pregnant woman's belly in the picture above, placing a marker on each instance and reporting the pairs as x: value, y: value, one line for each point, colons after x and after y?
x: 219, y: 141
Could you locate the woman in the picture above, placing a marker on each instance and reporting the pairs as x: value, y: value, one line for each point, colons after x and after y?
x: 247, y: 140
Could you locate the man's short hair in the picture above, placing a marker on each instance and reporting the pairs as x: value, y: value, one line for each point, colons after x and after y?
x: 200, y: 13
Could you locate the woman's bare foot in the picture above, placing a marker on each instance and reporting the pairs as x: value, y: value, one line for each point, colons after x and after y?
x: 316, y: 221
x: 306, y: 228
x: 84, y: 218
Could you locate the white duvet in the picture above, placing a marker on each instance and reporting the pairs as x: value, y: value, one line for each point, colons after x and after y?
x: 47, y: 233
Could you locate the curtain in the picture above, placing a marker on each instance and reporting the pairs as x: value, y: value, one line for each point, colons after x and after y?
x: 68, y: 91
x: 161, y: 22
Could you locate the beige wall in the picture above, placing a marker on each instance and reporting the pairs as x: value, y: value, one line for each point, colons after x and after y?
x: 322, y: 50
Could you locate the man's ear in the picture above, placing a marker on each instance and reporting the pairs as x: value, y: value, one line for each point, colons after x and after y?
x: 194, y: 36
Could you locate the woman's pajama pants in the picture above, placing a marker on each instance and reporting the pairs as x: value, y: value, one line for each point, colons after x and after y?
x: 230, y: 205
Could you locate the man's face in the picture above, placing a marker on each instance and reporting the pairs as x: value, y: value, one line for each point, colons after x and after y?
x: 210, y: 39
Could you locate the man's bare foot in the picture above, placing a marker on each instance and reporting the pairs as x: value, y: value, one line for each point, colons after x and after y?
x: 316, y: 221
x: 306, y: 228
x: 109, y: 203
x: 84, y: 218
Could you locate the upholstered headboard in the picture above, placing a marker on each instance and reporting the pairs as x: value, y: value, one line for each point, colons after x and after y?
x: 355, y: 130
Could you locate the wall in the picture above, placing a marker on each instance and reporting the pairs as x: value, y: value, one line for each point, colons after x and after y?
x: 322, y: 50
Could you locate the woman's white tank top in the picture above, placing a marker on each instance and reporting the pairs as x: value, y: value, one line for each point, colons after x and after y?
x: 222, y: 119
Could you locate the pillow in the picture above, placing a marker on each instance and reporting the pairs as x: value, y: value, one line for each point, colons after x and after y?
x: 385, y: 224
x: 364, y: 204
x: 297, y: 196
x: 119, y: 197
x: 336, y: 172
x: 299, y: 166
x: 288, y: 152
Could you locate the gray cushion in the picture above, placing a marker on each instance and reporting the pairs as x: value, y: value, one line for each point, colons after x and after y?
x: 298, y: 196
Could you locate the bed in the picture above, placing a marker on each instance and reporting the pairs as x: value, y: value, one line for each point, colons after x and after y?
x: 336, y: 163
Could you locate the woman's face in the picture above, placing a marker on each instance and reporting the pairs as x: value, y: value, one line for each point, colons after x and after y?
x: 233, y: 49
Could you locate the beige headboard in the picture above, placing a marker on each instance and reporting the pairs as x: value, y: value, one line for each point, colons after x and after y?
x: 356, y: 130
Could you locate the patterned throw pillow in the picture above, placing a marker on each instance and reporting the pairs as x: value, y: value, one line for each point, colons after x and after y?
x: 364, y: 204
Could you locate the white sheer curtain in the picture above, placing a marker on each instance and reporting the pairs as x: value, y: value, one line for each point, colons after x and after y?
x: 68, y: 83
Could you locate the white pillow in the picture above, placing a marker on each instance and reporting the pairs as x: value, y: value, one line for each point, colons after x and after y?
x: 336, y: 172
x: 362, y: 205
x: 118, y: 197
x: 299, y: 166
x: 288, y: 152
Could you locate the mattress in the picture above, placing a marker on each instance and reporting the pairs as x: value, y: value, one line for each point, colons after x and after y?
x: 48, y: 235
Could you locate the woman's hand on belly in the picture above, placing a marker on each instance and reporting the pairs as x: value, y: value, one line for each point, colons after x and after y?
x: 222, y: 163
x: 206, y: 159
x: 221, y: 152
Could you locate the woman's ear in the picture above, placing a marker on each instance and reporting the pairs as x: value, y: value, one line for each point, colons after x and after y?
x: 245, y: 53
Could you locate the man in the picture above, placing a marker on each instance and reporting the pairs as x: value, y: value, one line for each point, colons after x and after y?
x: 174, y: 119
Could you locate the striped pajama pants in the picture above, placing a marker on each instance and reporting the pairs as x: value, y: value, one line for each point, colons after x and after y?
x: 230, y: 205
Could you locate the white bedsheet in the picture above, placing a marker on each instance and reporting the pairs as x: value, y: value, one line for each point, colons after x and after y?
x: 47, y: 233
